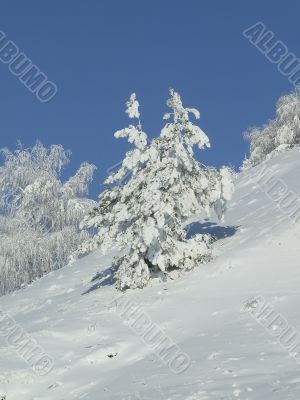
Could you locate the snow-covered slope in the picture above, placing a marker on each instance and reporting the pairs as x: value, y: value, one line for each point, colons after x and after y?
x: 98, y: 355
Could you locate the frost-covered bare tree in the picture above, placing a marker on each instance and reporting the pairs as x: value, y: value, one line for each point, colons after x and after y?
x: 157, y: 188
x: 277, y: 135
x: 39, y: 214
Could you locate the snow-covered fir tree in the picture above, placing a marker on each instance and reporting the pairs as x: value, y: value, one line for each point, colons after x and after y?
x: 157, y: 188
x: 39, y: 214
x: 277, y: 135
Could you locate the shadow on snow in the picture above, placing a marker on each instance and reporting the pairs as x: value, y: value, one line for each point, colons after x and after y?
x: 107, y: 277
x: 217, y: 231
x: 103, y: 278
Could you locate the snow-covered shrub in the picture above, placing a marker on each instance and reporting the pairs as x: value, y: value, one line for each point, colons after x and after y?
x: 277, y: 135
x: 144, y: 214
x: 39, y: 214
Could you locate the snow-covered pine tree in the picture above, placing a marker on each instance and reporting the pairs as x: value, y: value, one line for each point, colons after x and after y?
x: 39, y: 214
x: 277, y: 135
x: 165, y: 185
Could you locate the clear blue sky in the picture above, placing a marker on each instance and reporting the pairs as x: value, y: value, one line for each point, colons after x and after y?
x: 98, y: 52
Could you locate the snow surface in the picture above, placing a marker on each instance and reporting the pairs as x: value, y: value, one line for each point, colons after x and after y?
x: 97, y: 356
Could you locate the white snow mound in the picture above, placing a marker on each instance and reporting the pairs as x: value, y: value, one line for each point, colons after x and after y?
x: 97, y: 354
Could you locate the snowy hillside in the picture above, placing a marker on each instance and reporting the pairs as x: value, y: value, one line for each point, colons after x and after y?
x: 99, y: 354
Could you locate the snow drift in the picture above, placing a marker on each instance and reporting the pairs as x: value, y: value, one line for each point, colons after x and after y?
x: 207, y: 313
